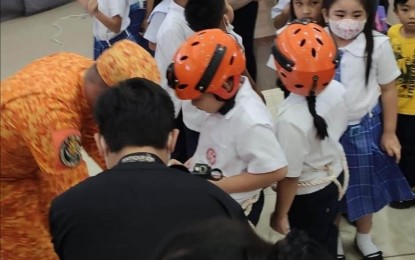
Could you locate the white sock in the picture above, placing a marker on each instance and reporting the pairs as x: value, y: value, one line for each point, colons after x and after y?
x: 365, y: 244
x: 340, y: 250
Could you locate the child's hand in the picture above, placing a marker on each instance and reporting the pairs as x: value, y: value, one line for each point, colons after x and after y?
x: 391, y: 145
x: 92, y: 7
x: 280, y: 223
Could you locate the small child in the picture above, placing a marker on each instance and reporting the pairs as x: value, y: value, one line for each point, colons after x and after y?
x: 402, y: 37
x: 309, y: 125
x: 237, y: 137
x: 110, y: 22
x: 210, y: 14
x: 368, y: 71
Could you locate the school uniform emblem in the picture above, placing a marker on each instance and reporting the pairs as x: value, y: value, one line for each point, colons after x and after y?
x: 211, y: 156
x: 70, y: 151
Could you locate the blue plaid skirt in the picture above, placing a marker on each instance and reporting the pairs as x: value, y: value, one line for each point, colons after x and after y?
x: 375, y: 178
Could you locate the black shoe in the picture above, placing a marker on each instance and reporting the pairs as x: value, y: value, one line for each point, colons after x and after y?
x: 374, y: 256
x: 402, y: 204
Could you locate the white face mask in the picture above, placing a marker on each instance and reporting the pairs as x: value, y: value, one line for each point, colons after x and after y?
x: 346, y: 28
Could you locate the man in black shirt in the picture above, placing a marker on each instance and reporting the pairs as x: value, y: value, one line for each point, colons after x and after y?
x: 124, y: 212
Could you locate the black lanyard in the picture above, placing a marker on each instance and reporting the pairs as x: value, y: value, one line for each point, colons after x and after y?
x: 141, y: 157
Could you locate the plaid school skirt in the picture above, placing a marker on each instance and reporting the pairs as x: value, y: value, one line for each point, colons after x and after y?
x: 375, y: 178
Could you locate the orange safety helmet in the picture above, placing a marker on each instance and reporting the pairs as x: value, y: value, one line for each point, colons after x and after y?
x: 305, y: 56
x: 204, y: 62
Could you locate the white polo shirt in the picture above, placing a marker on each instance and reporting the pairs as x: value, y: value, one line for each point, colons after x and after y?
x: 242, y: 140
x: 307, y: 155
x: 361, y: 99
x: 155, y: 19
x: 277, y: 9
x: 111, y: 8
x: 172, y: 33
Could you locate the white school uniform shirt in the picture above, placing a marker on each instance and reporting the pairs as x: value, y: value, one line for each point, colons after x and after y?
x: 172, y: 33
x: 306, y: 154
x: 361, y: 99
x: 155, y: 19
x: 241, y: 140
x: 277, y: 9
x: 111, y: 8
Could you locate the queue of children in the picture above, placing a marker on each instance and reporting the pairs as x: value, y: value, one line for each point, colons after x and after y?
x: 342, y: 142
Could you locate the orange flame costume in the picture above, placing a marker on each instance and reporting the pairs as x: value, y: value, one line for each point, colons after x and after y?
x: 45, y: 119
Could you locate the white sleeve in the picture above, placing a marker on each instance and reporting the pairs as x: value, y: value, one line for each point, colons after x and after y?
x: 115, y: 7
x: 295, y: 146
x: 388, y: 69
x: 153, y: 27
x: 259, y: 148
x: 277, y: 9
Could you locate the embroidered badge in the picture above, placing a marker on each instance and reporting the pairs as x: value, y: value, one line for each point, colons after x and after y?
x: 211, y: 156
x: 70, y: 151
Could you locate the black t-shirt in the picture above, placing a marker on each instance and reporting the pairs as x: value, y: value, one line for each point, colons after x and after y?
x: 125, y: 212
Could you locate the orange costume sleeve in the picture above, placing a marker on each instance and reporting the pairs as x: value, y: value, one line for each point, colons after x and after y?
x: 51, y: 132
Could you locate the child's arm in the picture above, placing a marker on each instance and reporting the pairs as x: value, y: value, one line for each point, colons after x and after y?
x: 286, y: 191
x: 246, y: 181
x: 282, y: 19
x: 389, y: 141
x: 112, y: 23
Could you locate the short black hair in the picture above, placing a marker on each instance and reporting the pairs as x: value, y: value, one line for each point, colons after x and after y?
x: 136, y: 112
x: 204, y: 14
x: 215, y: 239
x: 399, y: 2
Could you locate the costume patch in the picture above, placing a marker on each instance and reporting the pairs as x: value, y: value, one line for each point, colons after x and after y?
x: 67, y: 148
x: 70, y: 151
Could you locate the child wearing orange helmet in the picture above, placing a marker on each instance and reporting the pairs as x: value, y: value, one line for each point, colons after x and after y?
x: 237, y: 137
x: 310, y: 122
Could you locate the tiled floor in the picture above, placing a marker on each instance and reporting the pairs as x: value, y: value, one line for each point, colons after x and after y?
x: 25, y: 39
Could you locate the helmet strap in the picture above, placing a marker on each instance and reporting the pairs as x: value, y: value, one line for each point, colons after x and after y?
x: 229, y: 104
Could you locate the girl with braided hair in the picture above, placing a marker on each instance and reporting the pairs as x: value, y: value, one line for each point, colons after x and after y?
x: 310, y: 122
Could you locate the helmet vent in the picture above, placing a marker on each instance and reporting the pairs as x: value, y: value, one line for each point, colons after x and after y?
x: 182, y: 86
x: 299, y: 85
x: 195, y: 43
x: 232, y: 60
x: 313, y: 52
x: 184, y: 57
x: 297, y: 31
x: 319, y: 41
x: 283, y: 74
x: 302, y: 42
x: 326, y: 84
x: 317, y: 29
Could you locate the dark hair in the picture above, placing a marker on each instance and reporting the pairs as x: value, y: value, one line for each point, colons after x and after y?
x: 297, y: 245
x: 398, y: 2
x: 136, y: 112
x: 204, y: 14
x: 367, y: 30
x: 319, y: 122
x: 225, y: 239
x: 294, y: 17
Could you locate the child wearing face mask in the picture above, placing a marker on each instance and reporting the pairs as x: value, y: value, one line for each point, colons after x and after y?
x: 368, y: 71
